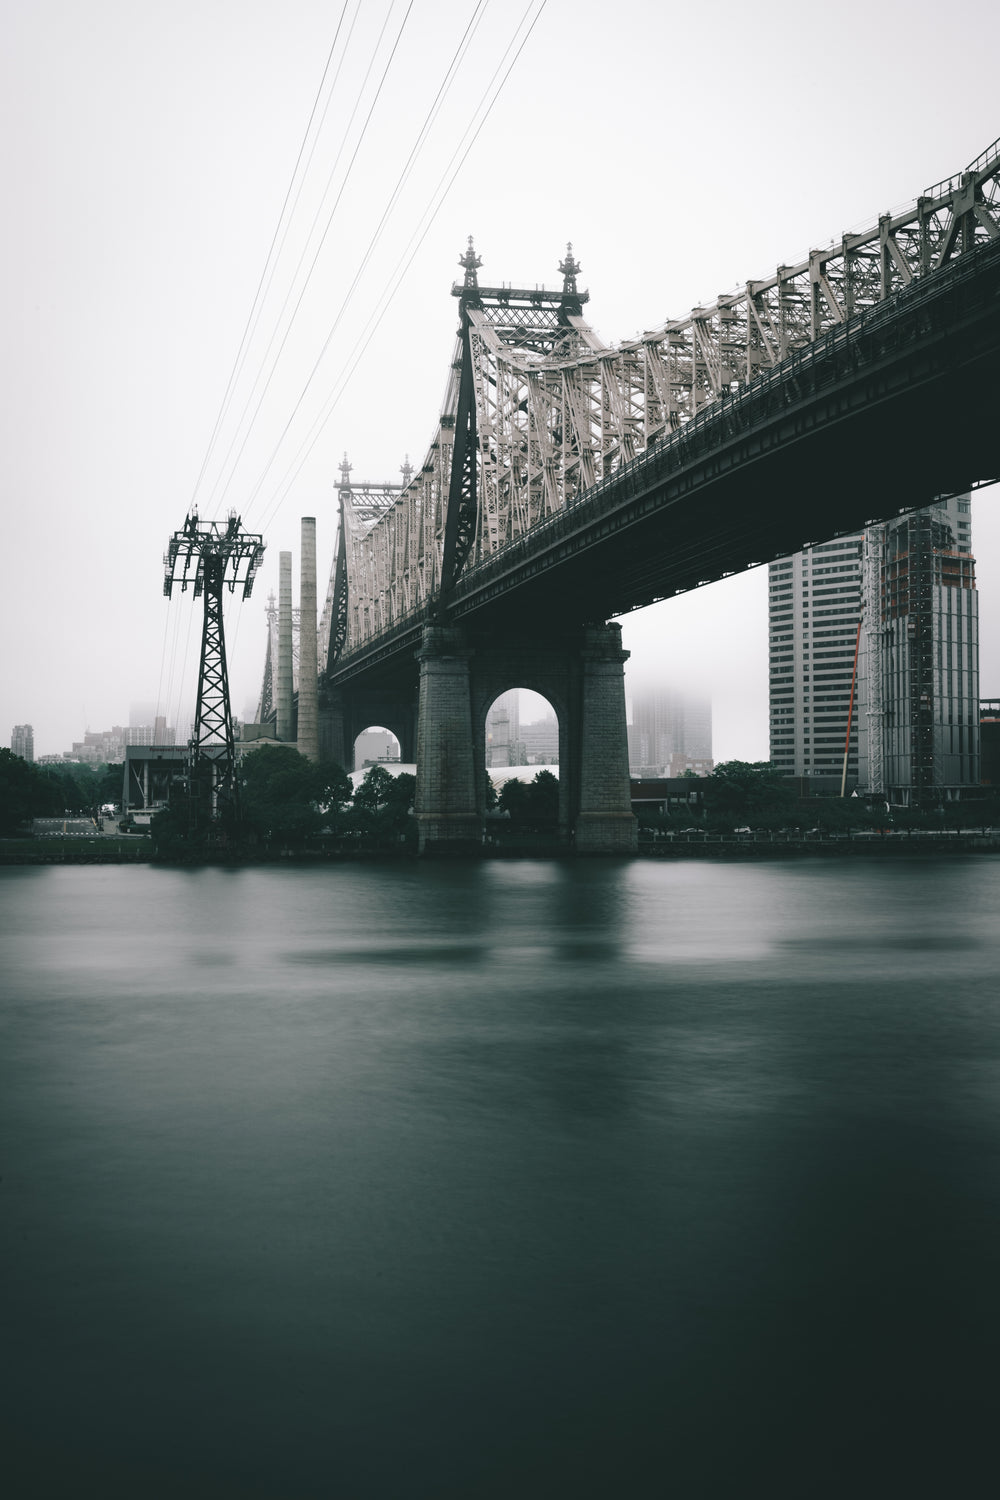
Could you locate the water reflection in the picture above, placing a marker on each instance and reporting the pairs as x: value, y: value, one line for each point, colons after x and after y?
x: 521, y: 1179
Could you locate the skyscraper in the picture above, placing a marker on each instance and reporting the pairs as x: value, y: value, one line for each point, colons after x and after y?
x: 503, y: 731
x: 22, y: 741
x: 814, y: 603
x: 901, y: 598
x: 918, y: 670
x: 670, y: 728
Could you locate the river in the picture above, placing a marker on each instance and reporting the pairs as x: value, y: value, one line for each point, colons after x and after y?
x: 507, y: 1179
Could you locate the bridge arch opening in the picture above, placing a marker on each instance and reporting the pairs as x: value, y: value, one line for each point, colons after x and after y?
x: 521, y: 730
x: 376, y: 745
x: 521, y: 753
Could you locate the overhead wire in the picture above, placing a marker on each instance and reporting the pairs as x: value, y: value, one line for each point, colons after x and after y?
x: 435, y: 107
x: 436, y: 201
x: 285, y: 215
x: 441, y: 191
x: 316, y: 255
x: 275, y: 248
x: 404, y: 175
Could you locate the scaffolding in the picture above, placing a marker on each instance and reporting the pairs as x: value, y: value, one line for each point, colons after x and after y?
x: 872, y: 569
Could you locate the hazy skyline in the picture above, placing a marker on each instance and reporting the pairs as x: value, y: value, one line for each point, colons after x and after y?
x: 150, y: 151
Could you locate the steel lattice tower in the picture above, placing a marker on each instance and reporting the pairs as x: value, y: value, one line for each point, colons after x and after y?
x: 212, y: 556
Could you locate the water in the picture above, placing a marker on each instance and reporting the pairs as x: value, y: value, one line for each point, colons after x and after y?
x: 517, y: 1179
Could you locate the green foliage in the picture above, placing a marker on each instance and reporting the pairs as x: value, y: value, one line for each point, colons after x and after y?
x: 533, y: 804
x: 174, y: 833
x: 286, y: 797
x: 26, y: 791
x: 375, y: 791
x: 381, y: 815
x: 748, y: 793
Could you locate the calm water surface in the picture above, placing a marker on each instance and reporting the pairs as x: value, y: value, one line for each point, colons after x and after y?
x: 517, y: 1179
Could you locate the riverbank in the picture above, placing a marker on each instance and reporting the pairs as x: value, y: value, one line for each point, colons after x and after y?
x: 105, y: 851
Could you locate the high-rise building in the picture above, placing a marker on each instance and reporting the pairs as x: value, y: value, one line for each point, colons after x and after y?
x: 873, y: 646
x: 503, y: 731
x: 918, y: 669
x: 669, y: 728
x: 22, y: 741
x: 814, y: 604
x: 375, y: 746
x: 540, y: 740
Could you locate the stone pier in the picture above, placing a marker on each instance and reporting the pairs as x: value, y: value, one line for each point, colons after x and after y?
x: 604, y: 822
x: 581, y: 674
x: 447, y: 807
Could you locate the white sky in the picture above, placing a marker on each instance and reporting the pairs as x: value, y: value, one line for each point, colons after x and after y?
x: 150, y: 146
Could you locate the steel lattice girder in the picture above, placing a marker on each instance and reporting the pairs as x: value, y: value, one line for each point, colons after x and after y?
x: 557, y: 411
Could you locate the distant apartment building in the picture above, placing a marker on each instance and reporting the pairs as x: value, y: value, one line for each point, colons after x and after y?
x: 669, y: 729
x: 22, y: 741
x: 873, y: 650
x: 540, y: 741
x: 375, y: 747
x: 989, y: 742
x: 158, y: 732
x: 503, y: 731
x: 814, y: 609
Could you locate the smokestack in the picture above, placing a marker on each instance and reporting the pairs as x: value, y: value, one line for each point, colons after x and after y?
x: 308, y: 670
x: 284, y: 729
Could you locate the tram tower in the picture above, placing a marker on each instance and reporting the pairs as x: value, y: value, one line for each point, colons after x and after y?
x: 212, y: 556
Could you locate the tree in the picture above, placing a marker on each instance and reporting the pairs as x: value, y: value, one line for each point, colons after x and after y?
x: 382, y: 807
x: 375, y: 790
x: 335, y: 794
x: 751, y: 793
x: 533, y: 804
x: 282, y: 792
x: 26, y: 791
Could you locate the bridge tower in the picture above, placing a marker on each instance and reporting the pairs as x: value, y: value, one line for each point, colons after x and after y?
x: 212, y: 556
x: 577, y: 665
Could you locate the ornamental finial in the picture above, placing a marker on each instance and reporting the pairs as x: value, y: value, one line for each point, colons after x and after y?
x: 345, y: 473
x: 471, y: 262
x: 569, y: 268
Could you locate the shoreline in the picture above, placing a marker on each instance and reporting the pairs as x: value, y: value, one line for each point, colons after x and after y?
x: 701, y: 846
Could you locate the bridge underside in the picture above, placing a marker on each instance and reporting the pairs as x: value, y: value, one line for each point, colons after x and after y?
x: 868, y: 422
x: 883, y: 414
x: 443, y: 700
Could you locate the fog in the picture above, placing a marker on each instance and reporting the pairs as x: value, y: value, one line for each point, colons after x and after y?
x: 150, y: 152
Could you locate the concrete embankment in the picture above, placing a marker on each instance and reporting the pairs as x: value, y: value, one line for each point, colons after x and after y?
x: 763, y: 846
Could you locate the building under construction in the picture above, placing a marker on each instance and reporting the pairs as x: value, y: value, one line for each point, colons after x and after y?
x: 874, y: 659
x: 918, y: 667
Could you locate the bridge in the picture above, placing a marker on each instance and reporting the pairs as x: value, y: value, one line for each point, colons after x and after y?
x: 569, y: 481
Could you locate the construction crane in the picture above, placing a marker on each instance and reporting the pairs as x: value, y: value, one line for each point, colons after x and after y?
x: 212, y: 556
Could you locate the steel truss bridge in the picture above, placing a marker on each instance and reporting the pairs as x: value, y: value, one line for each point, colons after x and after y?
x: 859, y: 382
x: 569, y: 481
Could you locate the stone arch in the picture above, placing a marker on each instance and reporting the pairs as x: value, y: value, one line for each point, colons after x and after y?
x: 378, y: 733
x: 491, y: 682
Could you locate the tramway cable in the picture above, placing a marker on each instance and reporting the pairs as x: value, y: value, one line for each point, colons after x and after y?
x: 402, y: 266
x: 312, y: 266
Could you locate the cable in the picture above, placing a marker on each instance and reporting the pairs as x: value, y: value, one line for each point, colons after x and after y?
x: 253, y: 318
x: 319, y: 247
x: 272, y: 257
x: 402, y: 266
x: 376, y: 236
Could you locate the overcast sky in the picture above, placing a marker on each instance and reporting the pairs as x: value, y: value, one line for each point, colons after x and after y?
x: 150, y: 148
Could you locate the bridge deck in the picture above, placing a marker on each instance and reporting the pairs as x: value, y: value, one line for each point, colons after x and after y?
x: 882, y: 414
